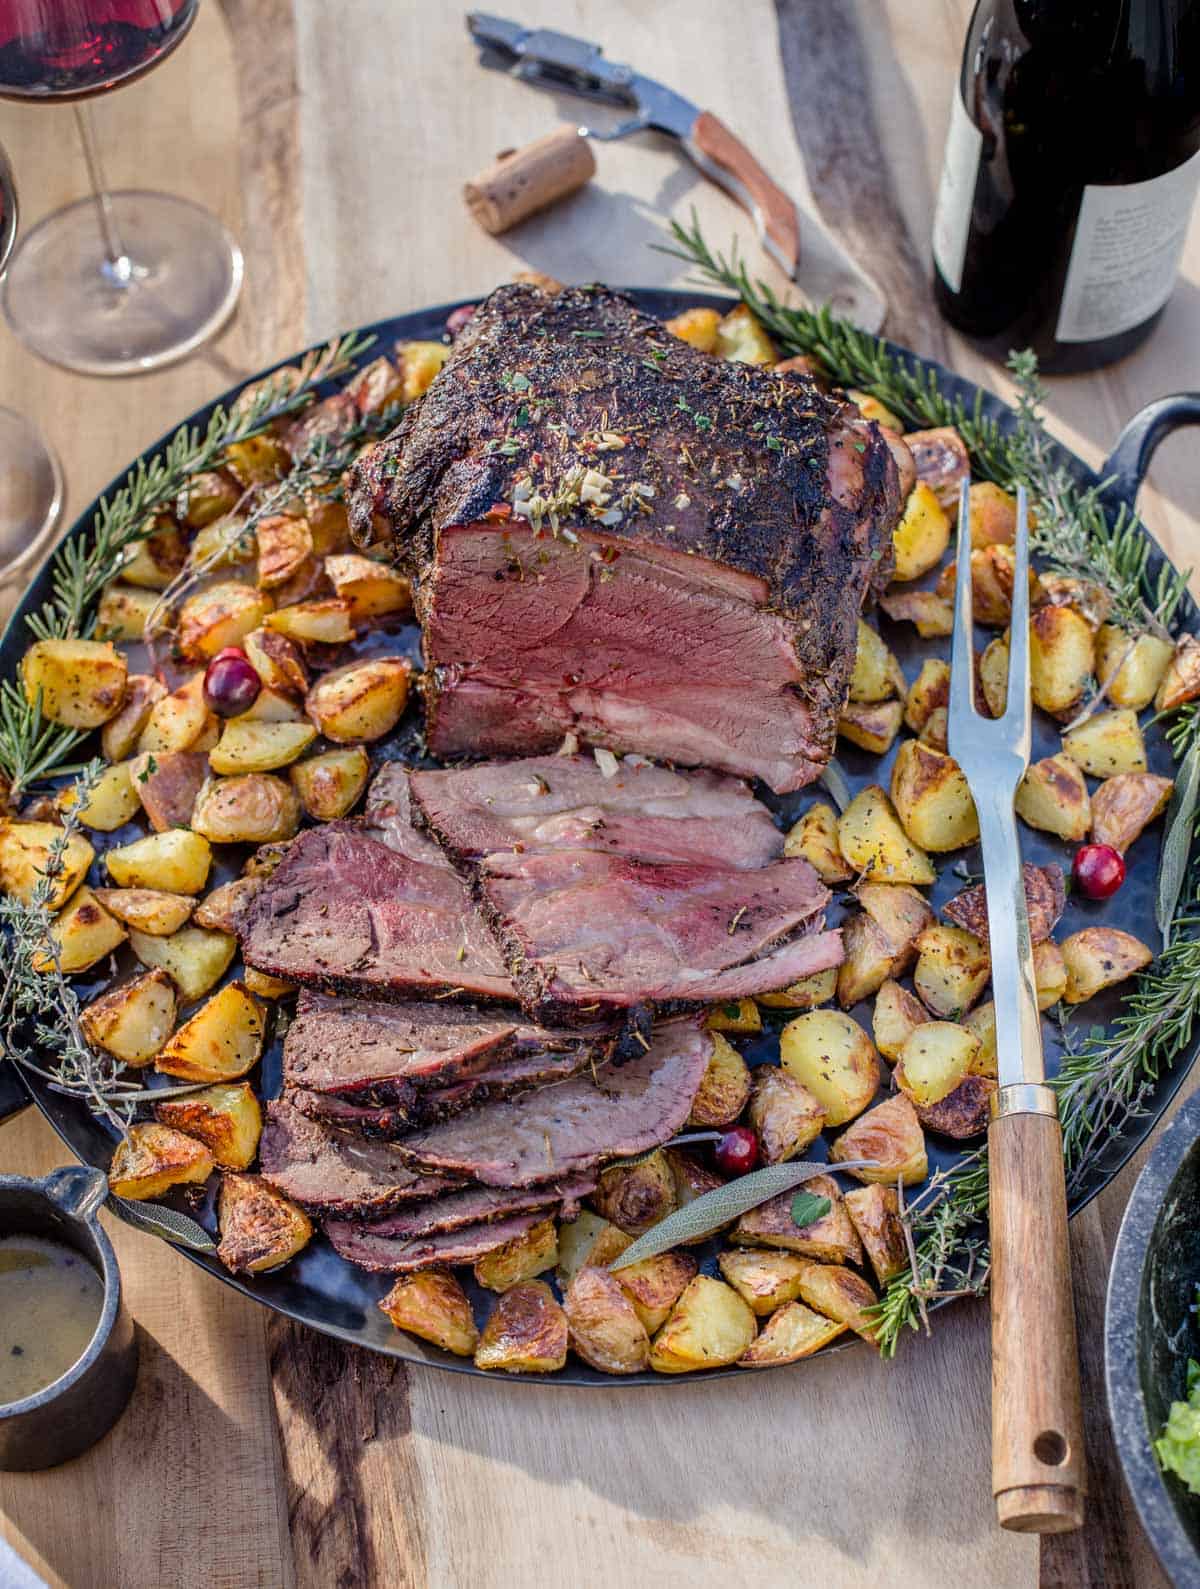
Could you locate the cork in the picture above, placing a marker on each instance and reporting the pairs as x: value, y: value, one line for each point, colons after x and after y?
x: 523, y: 181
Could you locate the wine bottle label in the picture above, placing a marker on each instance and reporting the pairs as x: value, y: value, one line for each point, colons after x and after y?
x: 956, y: 193
x: 1125, y: 256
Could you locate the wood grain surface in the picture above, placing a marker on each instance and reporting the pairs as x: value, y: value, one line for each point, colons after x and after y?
x: 335, y: 140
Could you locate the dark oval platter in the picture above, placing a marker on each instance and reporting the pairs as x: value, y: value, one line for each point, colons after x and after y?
x: 320, y: 1289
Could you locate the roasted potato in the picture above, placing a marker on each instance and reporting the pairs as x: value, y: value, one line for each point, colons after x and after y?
x: 310, y: 622
x: 763, y: 1279
x: 362, y: 701
x: 1125, y: 806
x: 992, y: 576
x: 842, y: 1295
x: 876, y: 846
x: 222, y: 1041
x: 519, y: 1259
x: 373, y: 589
x: 635, y: 1196
x: 952, y: 970
x: 253, y: 808
x: 869, y: 958
x: 830, y: 1237
x: 1130, y: 669
x: 654, y: 1285
x: 419, y: 363
x: 147, y: 909
x: 134, y: 1020
x: 897, y: 1014
x: 809, y: 993
x: 1098, y: 957
x: 176, y: 862
x: 1108, y: 743
x: 433, y: 1306
x: 602, y: 1324
x: 709, y: 1326
x: 527, y: 1332
x: 875, y: 1214
x: 830, y: 1054
x: 724, y: 1087
x: 738, y: 1015
x: 179, y: 721
x: 376, y: 387
x: 285, y: 544
x: 696, y: 327
x: 963, y: 1113
x: 991, y: 675
x: 194, y: 959
x: 871, y: 727
x: 692, y: 1180
x: 264, y: 986
x: 329, y: 785
x: 891, y: 1134
x: 224, y: 908
x: 815, y: 838
x: 935, y: 729
x: 258, y: 460
x: 120, y: 734
x: 942, y: 463
x: 1045, y: 897
x: 27, y: 856
x: 154, y: 561
x: 901, y: 914
x: 226, y: 1118
x: 788, y: 1335
x: 932, y: 798
x: 1181, y: 681
x: 112, y: 802
x: 270, y: 707
x: 223, y: 615
x: 260, y: 1228
x: 922, y: 535
x: 587, y: 1239
x: 277, y: 661
x: 1053, y: 796
x: 124, y: 612
x: 742, y: 338
x: 1090, y: 601
x: 264, y: 860
x: 932, y: 614
x: 166, y: 782
x: 993, y: 514
x: 206, y: 497
x: 981, y: 1023
x: 1061, y: 659
x: 153, y: 1158
x: 786, y: 1116
x: 929, y: 690
x: 871, y: 408
x: 82, y: 933
x: 875, y: 668
x: 259, y: 747
x: 228, y: 542
x: 80, y: 683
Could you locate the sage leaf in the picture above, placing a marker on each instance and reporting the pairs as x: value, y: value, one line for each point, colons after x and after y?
x: 711, y: 1210
x: 807, y: 1208
x: 836, y: 786
x: 1177, y: 842
x: 158, y: 1220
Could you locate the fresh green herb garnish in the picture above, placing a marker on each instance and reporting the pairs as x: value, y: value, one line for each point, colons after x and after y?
x: 808, y: 1207
x: 1178, y: 1447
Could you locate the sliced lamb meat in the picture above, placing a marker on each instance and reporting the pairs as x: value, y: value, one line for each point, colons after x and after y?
x: 722, y: 527
x: 548, y: 803
x: 587, y: 933
x: 475, y: 1205
x: 573, y: 1126
x: 333, y: 1172
x: 359, y: 1246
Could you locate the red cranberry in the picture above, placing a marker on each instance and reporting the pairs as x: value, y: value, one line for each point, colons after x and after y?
x: 736, y: 1152
x: 1098, y: 870
x: 457, y: 319
x: 231, y: 684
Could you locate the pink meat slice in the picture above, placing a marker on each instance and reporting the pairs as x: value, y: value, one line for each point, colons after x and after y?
x: 475, y: 1205
x: 398, y: 1256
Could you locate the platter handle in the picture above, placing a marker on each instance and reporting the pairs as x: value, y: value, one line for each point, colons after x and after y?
x: 1126, y: 465
x: 14, y: 1095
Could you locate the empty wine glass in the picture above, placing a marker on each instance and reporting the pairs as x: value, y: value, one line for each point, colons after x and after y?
x: 118, y: 282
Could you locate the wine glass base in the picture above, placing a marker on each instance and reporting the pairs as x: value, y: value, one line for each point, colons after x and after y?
x: 31, y: 495
x: 72, y: 306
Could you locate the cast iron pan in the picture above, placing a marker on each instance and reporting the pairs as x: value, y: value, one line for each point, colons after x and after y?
x: 319, y: 1288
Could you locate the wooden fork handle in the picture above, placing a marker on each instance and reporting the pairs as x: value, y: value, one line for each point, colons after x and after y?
x: 1038, y: 1471
x: 732, y: 165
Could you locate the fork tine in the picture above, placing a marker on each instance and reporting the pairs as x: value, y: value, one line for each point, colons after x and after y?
x: 1017, y: 711
x: 962, y: 652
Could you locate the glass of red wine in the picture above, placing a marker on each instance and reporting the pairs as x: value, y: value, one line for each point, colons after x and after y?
x: 118, y: 282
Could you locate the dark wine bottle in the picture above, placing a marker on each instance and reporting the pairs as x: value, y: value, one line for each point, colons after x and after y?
x: 1071, y: 166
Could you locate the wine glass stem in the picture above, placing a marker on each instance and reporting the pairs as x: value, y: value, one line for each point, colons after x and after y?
x: 118, y: 268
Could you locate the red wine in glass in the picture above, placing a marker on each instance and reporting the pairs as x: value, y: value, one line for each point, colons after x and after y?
x: 69, y: 49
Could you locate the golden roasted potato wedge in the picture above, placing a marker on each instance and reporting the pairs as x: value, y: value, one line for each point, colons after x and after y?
x: 764, y: 1280
x: 869, y: 959
x: 696, y: 327
x: 285, y: 543
x: 815, y: 838
x: 935, y: 729
x: 1045, y: 897
x: 742, y: 338
x: 112, y: 803
x: 179, y: 721
x: 227, y: 542
x: 875, y: 1214
x: 227, y: 1118
x: 602, y: 1324
x: 942, y: 462
x: 1062, y: 659
x: 154, y: 561
x: 932, y: 798
x: 120, y: 734
x: 252, y: 808
x: 433, y: 1306
x: 871, y: 727
x: 148, y: 909
x: 1181, y: 681
x: 891, y: 1134
x: 830, y: 1237
x: 993, y: 514
x: 922, y: 535
x: 519, y: 1259
x: 258, y: 460
x: 952, y: 970
x: 876, y: 846
x: 991, y: 675
x: 329, y: 785
x: 194, y: 959
x: 221, y: 1042
x: 901, y: 914
x: 271, y: 707
x: 842, y: 1295
x: 934, y: 1060
x: 80, y: 683
x: 1053, y: 796
x: 260, y: 1228
x: 527, y: 1332
x: 259, y: 747
x: 362, y: 701
x: 153, y: 1158
x: 830, y: 1054
x: 932, y: 615
x: 277, y: 661
x: 124, y: 612
x: 738, y: 1015
x: 655, y: 1285
x: 709, y: 1326
x: 992, y: 577
x: 223, y: 615
x: 871, y: 408
x: 874, y: 674
x: 27, y: 856
x: 1099, y: 957
x: 1049, y: 974
x: 724, y: 1087
x: 206, y: 497
x: 373, y: 589
x: 788, y: 1335
x: 1125, y: 805
x: 929, y: 690
x: 1108, y: 743
x: 587, y: 1239
x: 1090, y: 601
x: 419, y: 363
x: 166, y: 782
x: 1130, y: 669
x: 264, y: 860
x: 176, y: 862
x: 897, y: 1015
x: 134, y: 1020
x: 786, y: 1116
x: 635, y: 1196
x: 264, y: 986
x: 807, y: 994
x: 82, y: 933
x: 224, y: 908
x: 981, y: 1023
x: 326, y: 622
x: 963, y: 1113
